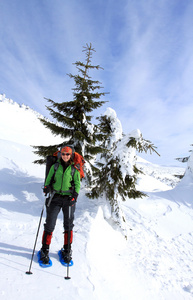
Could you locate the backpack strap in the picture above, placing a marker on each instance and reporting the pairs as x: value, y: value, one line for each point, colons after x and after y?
x: 72, y: 174
x: 72, y: 171
x: 56, y: 165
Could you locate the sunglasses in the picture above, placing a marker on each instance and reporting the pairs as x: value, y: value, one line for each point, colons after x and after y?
x: 67, y: 154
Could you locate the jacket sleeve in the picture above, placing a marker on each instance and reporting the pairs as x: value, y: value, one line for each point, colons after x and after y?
x: 50, y: 174
x: 77, y: 181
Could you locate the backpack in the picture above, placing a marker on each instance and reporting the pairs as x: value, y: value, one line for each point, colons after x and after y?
x: 78, y: 164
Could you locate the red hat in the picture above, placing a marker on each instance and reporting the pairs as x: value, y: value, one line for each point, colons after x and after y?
x: 66, y: 149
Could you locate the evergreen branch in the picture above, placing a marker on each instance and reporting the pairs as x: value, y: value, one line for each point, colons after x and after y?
x: 64, y: 106
x: 57, y: 130
x: 142, y: 145
x: 149, y: 146
x: 96, y: 149
x: 61, y: 118
x: 183, y: 160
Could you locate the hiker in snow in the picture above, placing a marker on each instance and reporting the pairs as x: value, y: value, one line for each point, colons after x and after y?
x: 66, y: 191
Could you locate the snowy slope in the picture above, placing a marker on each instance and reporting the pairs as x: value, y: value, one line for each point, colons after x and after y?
x: 155, y: 262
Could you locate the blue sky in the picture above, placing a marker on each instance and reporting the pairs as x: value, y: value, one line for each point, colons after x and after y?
x: 144, y: 46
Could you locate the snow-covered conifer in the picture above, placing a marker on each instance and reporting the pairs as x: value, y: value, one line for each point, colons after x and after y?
x: 116, y: 176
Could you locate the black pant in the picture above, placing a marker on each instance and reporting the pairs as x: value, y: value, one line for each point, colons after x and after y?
x: 59, y: 202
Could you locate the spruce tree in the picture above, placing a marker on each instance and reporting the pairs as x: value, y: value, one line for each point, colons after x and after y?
x: 73, y: 117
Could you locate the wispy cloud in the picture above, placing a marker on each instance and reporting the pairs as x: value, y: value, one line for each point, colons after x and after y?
x: 145, y: 47
x: 153, y: 76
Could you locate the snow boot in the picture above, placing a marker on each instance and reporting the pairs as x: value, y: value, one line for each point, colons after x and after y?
x: 66, y: 255
x: 44, y: 256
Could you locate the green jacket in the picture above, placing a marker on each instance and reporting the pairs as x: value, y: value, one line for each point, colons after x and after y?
x: 62, y: 180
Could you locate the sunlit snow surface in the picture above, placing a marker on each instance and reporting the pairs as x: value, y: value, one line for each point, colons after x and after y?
x: 154, y: 262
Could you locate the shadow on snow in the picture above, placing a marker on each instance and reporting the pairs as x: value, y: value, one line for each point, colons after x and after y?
x: 26, y: 192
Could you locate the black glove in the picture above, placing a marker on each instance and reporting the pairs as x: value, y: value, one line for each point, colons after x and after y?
x: 73, y: 198
x: 47, y: 189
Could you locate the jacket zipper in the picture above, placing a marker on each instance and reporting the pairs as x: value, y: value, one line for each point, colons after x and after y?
x: 63, y: 177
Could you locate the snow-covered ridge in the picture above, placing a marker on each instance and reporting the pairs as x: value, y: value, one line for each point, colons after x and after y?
x: 21, y: 124
x: 170, y: 176
x: 4, y: 99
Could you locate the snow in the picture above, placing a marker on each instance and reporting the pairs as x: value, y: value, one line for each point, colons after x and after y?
x: 127, y: 156
x: 22, y: 124
x: 154, y: 262
x: 116, y: 126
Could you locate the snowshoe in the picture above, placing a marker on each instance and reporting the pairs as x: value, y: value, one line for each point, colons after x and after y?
x: 43, y: 259
x: 65, y: 257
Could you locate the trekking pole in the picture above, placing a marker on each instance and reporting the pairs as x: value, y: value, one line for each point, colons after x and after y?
x: 69, y: 214
x: 52, y: 195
